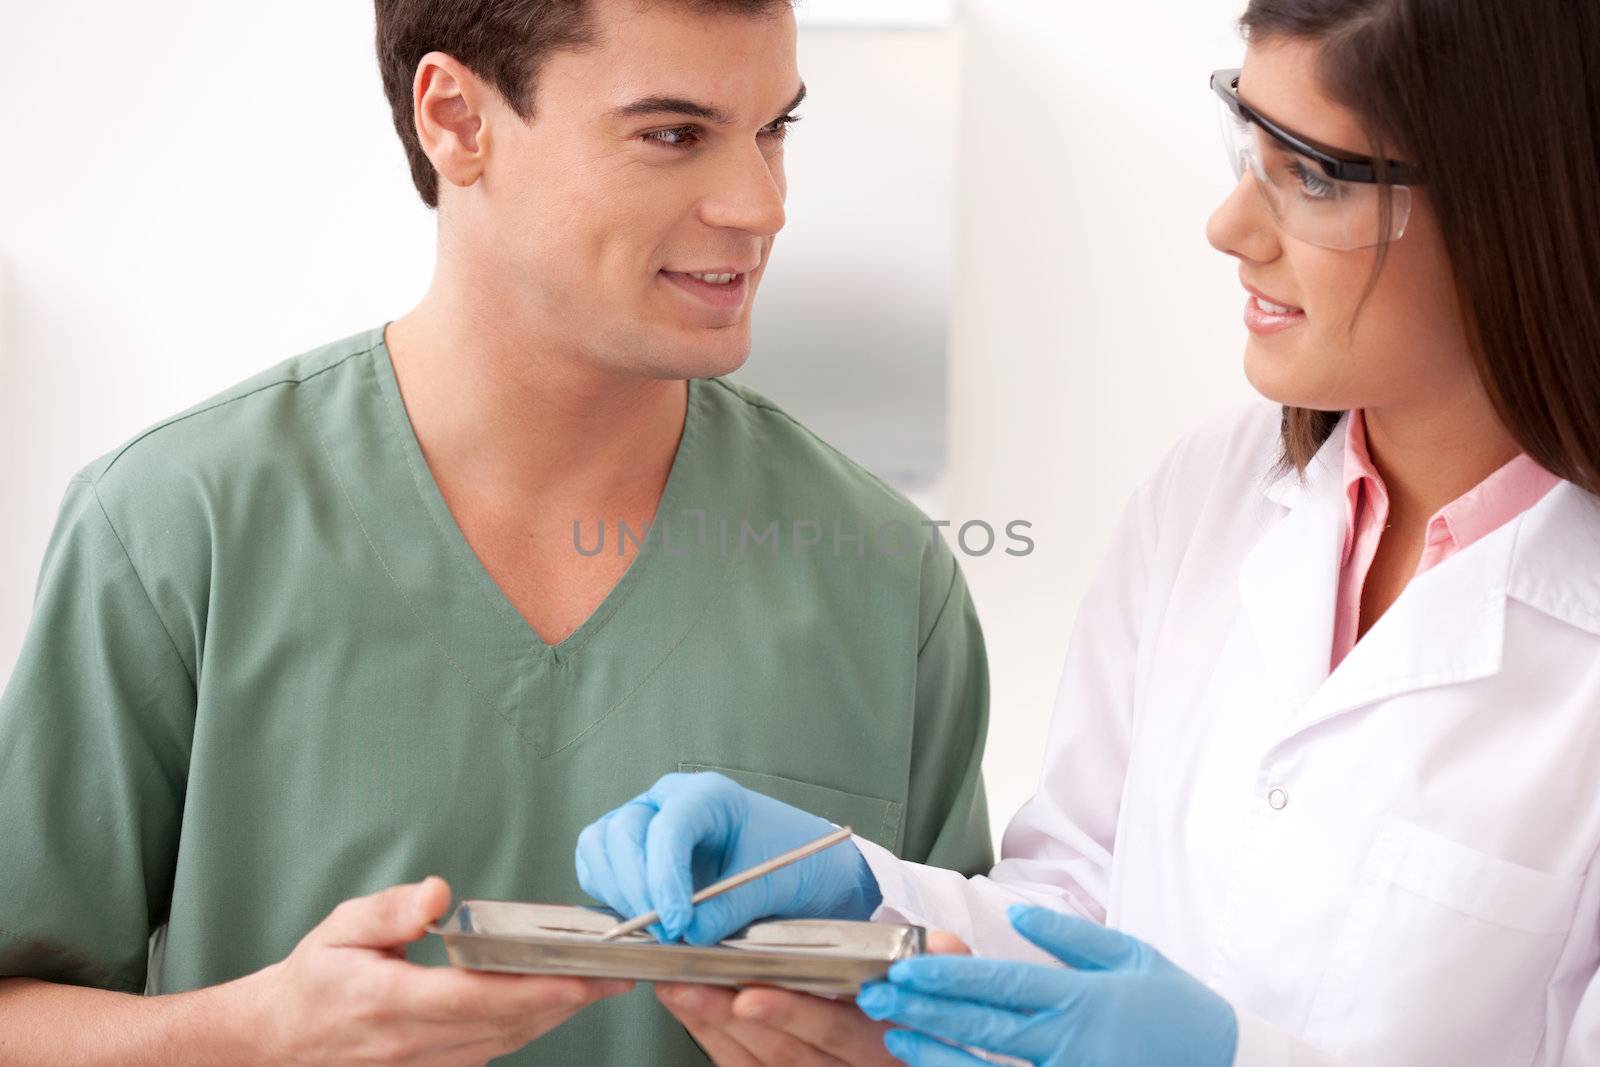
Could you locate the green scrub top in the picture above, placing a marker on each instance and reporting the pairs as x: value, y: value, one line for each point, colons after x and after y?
x: 266, y: 672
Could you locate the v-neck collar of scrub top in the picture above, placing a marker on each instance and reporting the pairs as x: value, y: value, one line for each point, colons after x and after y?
x: 550, y: 694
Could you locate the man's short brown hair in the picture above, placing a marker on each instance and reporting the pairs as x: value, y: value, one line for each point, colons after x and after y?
x: 501, y: 41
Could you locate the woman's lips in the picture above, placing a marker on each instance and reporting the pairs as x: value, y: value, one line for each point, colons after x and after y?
x: 1263, y: 317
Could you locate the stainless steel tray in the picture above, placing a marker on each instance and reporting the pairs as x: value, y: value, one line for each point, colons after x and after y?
x: 823, y: 956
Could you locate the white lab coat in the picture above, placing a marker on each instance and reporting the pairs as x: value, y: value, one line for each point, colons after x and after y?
x: 1390, y: 864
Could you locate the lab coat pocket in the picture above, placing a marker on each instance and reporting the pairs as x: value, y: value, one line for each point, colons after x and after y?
x: 873, y: 818
x: 1445, y: 955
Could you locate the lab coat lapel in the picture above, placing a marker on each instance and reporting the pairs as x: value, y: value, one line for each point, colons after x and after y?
x: 1446, y: 628
x: 1289, y: 581
x: 1556, y: 565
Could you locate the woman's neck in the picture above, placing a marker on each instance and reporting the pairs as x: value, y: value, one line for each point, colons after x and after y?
x: 1429, y: 455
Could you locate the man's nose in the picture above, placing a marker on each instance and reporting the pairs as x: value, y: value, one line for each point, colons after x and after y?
x: 748, y: 196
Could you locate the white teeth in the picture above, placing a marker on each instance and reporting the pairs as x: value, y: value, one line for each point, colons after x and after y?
x: 1271, y: 308
x: 715, y: 279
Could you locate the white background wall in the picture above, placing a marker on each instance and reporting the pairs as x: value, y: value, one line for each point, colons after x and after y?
x: 187, y: 199
x: 192, y: 198
x: 853, y: 328
x: 1093, y: 324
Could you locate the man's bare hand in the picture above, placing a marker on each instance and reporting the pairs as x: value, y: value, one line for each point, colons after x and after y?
x: 347, y: 995
x: 761, y: 1027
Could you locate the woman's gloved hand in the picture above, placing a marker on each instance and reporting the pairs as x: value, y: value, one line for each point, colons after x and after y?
x: 1122, y: 1005
x: 690, y: 830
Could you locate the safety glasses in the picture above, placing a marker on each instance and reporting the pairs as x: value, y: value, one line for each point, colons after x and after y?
x: 1318, y: 194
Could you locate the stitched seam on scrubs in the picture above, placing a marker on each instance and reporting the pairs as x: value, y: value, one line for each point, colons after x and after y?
x: 225, y: 401
x: 166, y: 632
x: 433, y: 636
x: 889, y: 828
x: 762, y: 404
x: 727, y: 580
x: 949, y: 594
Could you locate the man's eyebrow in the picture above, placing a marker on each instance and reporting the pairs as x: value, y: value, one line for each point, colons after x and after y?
x: 671, y: 105
x: 679, y: 105
x: 799, y: 99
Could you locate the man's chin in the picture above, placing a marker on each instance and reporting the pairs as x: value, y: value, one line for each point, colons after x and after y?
x: 703, y: 354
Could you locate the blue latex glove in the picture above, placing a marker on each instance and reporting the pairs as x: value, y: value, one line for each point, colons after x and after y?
x: 1124, y: 1005
x: 690, y: 830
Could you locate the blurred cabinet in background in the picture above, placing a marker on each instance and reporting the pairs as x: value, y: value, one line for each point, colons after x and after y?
x: 853, y: 328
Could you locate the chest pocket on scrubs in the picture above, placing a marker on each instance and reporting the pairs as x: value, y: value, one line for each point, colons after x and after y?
x: 1445, y: 955
x: 874, y: 818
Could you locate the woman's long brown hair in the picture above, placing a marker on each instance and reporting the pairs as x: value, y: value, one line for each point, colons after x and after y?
x: 1498, y: 103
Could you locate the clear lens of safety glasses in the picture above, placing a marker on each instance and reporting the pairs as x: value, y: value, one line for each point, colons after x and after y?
x: 1309, y: 205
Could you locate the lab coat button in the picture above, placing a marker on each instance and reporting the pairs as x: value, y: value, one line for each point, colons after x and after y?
x: 1278, y: 799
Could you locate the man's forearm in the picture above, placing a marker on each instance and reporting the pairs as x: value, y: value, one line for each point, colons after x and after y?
x: 46, y: 1023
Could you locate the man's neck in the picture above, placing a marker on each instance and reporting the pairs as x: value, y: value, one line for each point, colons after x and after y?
x: 506, y: 417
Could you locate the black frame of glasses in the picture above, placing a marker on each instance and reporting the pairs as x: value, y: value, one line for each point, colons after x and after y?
x: 1337, y: 165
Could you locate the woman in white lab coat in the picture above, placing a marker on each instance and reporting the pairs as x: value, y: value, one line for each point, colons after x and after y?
x: 1326, y: 753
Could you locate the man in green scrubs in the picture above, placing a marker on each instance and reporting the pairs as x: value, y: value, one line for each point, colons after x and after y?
x: 382, y: 612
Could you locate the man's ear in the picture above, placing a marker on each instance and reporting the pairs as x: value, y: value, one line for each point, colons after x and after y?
x: 449, y: 107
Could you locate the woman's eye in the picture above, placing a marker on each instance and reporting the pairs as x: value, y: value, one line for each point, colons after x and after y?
x: 1312, y: 185
x: 677, y: 137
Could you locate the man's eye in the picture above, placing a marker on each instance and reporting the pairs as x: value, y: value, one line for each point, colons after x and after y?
x: 780, y: 129
x: 677, y: 137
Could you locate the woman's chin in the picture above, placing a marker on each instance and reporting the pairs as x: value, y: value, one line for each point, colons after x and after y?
x: 1284, y: 379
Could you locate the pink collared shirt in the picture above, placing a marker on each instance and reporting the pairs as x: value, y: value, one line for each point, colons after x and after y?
x: 1481, y: 510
